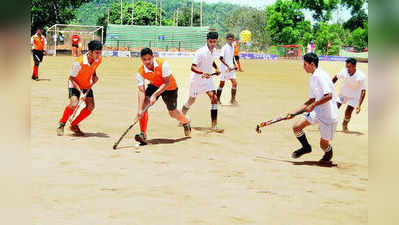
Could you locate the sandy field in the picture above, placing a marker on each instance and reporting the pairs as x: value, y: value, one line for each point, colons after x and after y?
x: 238, y: 177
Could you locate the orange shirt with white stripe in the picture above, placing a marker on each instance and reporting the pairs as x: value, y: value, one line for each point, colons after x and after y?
x: 38, y: 43
x: 82, y: 71
x: 236, y: 48
x: 161, y: 70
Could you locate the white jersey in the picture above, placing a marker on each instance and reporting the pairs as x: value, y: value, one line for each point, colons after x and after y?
x: 320, y: 84
x: 204, y: 59
x: 351, y: 86
x: 227, y: 53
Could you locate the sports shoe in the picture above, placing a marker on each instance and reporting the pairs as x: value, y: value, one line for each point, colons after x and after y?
x: 60, y: 129
x: 327, y: 156
x: 187, y: 129
x: 76, y: 130
x: 141, y: 138
x: 35, y: 78
x: 298, y: 153
x: 234, y: 102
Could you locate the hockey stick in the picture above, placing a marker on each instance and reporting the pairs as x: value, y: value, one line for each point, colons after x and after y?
x: 278, y: 119
x: 130, y: 127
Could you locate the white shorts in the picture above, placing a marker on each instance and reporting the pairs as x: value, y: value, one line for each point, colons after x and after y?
x: 347, y: 100
x: 227, y: 76
x: 200, y: 86
x: 327, y: 131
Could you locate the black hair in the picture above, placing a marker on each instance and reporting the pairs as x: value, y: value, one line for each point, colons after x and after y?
x: 230, y: 35
x: 146, y: 51
x: 311, y: 58
x: 95, y: 45
x: 351, y: 60
x: 212, y: 35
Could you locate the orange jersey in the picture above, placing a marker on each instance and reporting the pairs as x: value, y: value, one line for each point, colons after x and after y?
x: 84, y: 75
x: 236, y: 48
x: 38, y: 42
x: 155, y: 77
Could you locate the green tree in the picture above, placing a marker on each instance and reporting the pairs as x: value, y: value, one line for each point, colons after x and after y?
x: 47, y: 13
x: 185, y: 17
x: 286, y: 23
x: 329, y: 33
x: 356, y: 21
x: 321, y: 9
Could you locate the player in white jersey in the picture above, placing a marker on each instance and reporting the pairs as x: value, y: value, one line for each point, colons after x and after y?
x: 227, y: 69
x: 201, y: 79
x: 321, y: 108
x: 353, y: 89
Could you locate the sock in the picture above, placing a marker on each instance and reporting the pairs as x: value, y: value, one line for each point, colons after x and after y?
x: 219, y: 93
x: 82, y: 115
x: 185, y: 108
x: 329, y: 148
x: 233, y: 93
x: 35, y: 71
x: 67, y: 113
x: 182, y: 119
x: 143, y: 123
x: 302, y: 138
x: 214, y: 113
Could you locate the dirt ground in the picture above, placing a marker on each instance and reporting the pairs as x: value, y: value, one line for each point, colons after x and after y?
x: 238, y: 177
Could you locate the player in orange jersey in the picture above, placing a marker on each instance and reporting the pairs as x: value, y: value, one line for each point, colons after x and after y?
x: 237, y: 54
x: 162, y: 83
x: 39, y: 43
x: 82, y: 77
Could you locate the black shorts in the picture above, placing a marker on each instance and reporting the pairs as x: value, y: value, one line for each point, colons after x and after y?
x: 75, y: 92
x: 37, y: 56
x: 76, y: 46
x: 237, y: 58
x: 169, y: 97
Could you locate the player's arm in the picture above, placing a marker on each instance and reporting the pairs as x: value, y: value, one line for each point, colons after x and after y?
x: 362, y: 96
x: 195, y: 69
x: 216, y: 68
x: 228, y: 67
x: 301, y: 108
x: 94, y: 78
x: 140, y: 94
x: 327, y: 97
x: 161, y: 89
x: 335, y: 78
x: 74, y: 72
x: 140, y: 100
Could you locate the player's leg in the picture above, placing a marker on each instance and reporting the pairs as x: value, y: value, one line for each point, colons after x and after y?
x: 142, y: 136
x: 220, y: 89
x: 348, y: 115
x: 237, y: 58
x: 84, y: 113
x: 68, y: 111
x: 233, y: 91
x: 36, y: 60
x: 327, y: 132
x: 188, y: 105
x: 170, y: 99
x: 300, y: 135
x: 214, y: 107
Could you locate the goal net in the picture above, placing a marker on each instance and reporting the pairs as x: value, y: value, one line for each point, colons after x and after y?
x: 59, y: 37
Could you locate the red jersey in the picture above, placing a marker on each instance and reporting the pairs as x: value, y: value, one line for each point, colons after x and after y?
x: 75, y: 39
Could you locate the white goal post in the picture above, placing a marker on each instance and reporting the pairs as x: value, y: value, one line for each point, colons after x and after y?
x: 59, y: 37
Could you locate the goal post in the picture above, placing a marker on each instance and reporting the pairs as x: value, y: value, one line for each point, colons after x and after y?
x: 59, y: 37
